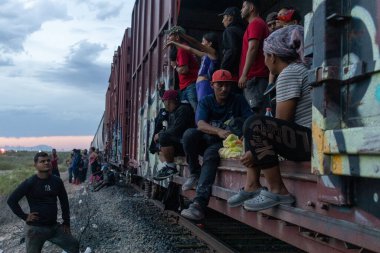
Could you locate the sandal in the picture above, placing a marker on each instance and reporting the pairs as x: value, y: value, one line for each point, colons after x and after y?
x: 267, y: 199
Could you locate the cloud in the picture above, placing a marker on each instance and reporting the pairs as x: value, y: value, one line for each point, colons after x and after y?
x: 80, y: 68
x: 107, y: 11
x: 5, y: 61
x: 55, y: 59
x: 103, y: 9
x: 20, y: 19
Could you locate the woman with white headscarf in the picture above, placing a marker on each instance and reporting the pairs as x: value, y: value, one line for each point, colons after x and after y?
x: 288, y: 134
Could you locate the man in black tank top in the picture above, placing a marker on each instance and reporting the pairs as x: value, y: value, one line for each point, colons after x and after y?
x: 41, y: 192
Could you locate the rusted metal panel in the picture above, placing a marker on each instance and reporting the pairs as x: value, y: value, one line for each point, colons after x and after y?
x: 124, y: 86
x: 148, y: 22
x: 346, y: 111
x: 298, y: 227
x: 336, y: 232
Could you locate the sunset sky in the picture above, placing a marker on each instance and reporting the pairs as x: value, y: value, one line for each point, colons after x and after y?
x: 57, y: 142
x: 55, y: 59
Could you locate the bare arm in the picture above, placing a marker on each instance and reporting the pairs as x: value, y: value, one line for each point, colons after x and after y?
x: 208, y: 129
x: 182, y: 69
x: 187, y: 48
x: 204, y: 49
x: 253, y: 48
x: 286, y: 110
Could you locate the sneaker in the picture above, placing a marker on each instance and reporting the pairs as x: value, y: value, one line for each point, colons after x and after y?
x: 194, y: 212
x: 267, y: 199
x: 190, y: 183
x: 165, y: 172
x: 239, y: 198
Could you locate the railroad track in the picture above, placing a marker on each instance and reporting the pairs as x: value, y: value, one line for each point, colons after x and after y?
x: 220, y: 233
x: 223, y: 234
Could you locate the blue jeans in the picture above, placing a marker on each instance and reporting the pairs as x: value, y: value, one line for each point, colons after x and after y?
x: 70, y: 174
x: 197, y: 143
x: 190, y: 94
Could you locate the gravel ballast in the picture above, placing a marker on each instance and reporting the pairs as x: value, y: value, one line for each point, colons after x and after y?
x: 114, y: 219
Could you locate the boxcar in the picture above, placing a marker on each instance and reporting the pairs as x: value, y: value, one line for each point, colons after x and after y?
x: 338, y: 206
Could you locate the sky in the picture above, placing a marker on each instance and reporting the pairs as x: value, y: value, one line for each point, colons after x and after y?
x: 55, y: 59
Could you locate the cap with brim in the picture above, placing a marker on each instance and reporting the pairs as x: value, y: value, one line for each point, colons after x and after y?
x: 175, y: 29
x: 222, y: 75
x: 230, y: 11
x: 271, y: 17
x: 170, y: 95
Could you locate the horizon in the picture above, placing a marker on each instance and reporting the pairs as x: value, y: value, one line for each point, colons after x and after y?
x: 61, y: 143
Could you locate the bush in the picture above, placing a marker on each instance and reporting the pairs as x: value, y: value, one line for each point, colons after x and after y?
x: 15, y: 167
x: 9, y: 181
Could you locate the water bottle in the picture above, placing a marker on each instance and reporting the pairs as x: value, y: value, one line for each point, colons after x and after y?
x: 268, y: 112
x: 165, y: 124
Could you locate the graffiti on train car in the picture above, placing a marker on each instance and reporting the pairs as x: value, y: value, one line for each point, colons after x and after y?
x: 345, y: 105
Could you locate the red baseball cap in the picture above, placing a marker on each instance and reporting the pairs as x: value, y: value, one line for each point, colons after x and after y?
x: 222, y: 75
x: 287, y: 16
x: 170, y: 95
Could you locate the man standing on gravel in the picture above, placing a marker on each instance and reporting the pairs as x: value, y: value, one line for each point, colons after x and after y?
x: 41, y: 192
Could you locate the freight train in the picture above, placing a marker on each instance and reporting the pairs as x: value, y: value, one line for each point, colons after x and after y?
x: 338, y: 202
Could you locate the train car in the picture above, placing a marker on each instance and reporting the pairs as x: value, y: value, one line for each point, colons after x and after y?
x: 338, y: 206
x: 118, y: 105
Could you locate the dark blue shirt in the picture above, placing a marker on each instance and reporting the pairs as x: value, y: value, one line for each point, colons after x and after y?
x: 208, y: 67
x: 42, y: 198
x: 217, y: 115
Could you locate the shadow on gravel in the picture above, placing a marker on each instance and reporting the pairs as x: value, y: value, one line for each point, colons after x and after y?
x: 119, y: 219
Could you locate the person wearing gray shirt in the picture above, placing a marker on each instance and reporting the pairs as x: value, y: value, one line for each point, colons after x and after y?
x: 288, y: 134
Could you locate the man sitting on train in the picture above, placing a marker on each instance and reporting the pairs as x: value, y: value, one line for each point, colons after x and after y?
x: 181, y: 117
x: 213, y: 114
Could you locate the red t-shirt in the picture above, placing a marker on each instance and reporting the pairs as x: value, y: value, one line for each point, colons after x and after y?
x: 54, y: 161
x: 258, y: 30
x: 186, y: 58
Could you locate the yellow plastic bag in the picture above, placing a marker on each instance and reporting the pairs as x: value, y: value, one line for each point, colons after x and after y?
x: 232, y: 147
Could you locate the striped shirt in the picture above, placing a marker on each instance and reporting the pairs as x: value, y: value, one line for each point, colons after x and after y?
x: 292, y: 83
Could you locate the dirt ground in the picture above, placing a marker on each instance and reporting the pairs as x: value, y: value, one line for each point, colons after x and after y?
x: 115, y: 219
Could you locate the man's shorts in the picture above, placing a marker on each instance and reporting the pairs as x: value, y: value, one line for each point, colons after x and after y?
x: 254, y: 92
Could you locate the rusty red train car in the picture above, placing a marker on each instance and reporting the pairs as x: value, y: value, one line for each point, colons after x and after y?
x: 338, y: 204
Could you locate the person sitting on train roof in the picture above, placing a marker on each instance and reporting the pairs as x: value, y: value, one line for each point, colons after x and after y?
x: 208, y: 51
x: 288, y: 134
x: 181, y: 117
x: 186, y: 66
x: 253, y: 72
x: 214, y: 113
x: 231, y: 43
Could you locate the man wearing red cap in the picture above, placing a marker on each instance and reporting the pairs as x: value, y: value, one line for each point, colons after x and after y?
x: 181, y: 117
x: 213, y: 114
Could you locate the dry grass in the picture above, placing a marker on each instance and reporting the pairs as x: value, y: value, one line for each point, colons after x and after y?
x: 15, y: 167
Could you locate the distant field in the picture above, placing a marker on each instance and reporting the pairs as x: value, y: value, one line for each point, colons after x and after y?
x: 17, y: 166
